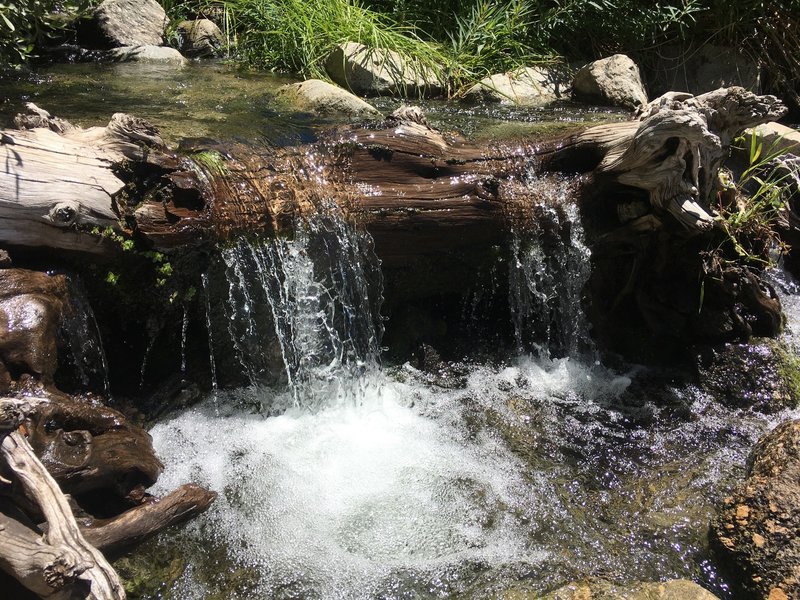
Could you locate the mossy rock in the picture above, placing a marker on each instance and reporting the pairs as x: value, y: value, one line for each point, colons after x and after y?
x: 763, y: 375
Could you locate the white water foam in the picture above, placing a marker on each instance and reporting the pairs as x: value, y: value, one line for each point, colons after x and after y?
x: 397, y: 480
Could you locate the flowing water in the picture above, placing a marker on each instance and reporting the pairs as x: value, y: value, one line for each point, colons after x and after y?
x: 369, y: 482
x: 344, y: 478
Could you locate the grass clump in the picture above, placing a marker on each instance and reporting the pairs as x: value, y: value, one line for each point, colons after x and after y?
x: 298, y: 35
x: 753, y: 207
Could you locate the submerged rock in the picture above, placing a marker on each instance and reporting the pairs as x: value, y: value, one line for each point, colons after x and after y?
x: 199, y: 38
x: 758, y: 524
x: 613, y: 81
x: 524, y: 87
x: 130, y: 22
x: 322, y: 97
x: 376, y: 71
x: 598, y: 589
x: 764, y: 374
x: 148, y: 54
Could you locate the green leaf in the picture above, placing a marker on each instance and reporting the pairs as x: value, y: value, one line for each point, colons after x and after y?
x: 9, y: 24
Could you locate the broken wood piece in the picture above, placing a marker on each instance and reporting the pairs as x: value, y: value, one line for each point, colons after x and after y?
x: 154, y: 514
x: 73, y: 558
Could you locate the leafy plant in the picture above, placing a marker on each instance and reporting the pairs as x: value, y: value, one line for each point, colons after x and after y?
x: 26, y: 24
x: 755, y: 204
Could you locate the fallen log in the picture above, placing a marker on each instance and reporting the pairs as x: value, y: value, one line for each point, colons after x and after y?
x: 650, y: 186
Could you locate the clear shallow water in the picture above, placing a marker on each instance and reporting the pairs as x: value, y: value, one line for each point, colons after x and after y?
x: 210, y: 99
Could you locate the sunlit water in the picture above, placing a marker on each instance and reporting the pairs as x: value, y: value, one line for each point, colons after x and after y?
x: 543, y: 471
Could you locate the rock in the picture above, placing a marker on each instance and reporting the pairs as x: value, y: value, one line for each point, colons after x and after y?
x: 131, y: 22
x: 613, y: 81
x: 375, y: 72
x: 31, y: 307
x: 199, y: 38
x: 148, y: 54
x: 322, y: 97
x: 528, y: 86
x: 776, y: 138
x: 757, y: 526
x: 700, y: 70
x: 764, y: 374
x: 598, y: 589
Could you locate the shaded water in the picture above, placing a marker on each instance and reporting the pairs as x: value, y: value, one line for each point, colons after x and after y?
x: 208, y: 99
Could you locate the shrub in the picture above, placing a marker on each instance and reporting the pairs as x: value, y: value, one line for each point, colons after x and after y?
x: 26, y: 24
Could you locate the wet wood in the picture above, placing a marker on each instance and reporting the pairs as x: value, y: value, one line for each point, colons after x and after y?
x: 62, y: 564
x: 133, y: 526
x: 403, y: 178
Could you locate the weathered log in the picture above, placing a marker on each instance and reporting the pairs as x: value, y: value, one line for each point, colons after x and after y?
x: 423, y: 194
x: 62, y: 563
x: 154, y: 514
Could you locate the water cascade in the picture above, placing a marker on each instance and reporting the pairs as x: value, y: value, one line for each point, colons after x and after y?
x: 548, y: 267
x: 377, y: 482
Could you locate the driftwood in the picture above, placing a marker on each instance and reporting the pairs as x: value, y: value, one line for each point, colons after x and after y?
x: 401, y: 176
x: 67, y: 558
x: 63, y: 564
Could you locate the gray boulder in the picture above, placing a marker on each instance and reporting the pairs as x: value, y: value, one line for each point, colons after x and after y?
x: 131, y: 22
x: 757, y: 527
x: 322, y: 97
x: 376, y: 72
x: 528, y: 86
x: 147, y: 54
x: 199, y: 38
x: 703, y: 69
x: 612, y: 81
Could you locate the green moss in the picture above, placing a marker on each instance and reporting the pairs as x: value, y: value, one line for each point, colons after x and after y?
x: 789, y: 372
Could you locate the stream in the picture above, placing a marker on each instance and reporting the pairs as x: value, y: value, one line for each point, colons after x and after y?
x: 351, y: 478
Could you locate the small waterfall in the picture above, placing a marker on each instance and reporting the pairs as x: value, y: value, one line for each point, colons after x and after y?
x: 316, y: 295
x: 85, y: 346
x: 209, y: 329
x: 548, y: 267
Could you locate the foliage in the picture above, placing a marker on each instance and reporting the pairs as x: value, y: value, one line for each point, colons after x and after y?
x: 26, y: 24
x: 756, y: 206
x: 491, y: 37
x: 297, y: 35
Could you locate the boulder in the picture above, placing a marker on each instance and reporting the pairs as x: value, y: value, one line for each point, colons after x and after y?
x: 130, y: 22
x: 376, y: 72
x: 700, y: 70
x: 598, y: 589
x: 148, y: 54
x: 321, y: 97
x: 612, y: 81
x: 528, y: 86
x: 199, y: 38
x: 31, y: 311
x: 756, y: 528
x: 763, y: 374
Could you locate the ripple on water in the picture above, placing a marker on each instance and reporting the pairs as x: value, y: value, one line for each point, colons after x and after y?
x: 543, y: 470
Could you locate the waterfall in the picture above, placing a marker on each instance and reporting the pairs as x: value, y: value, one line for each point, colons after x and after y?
x: 548, y: 267
x: 83, y: 341
x: 317, y: 295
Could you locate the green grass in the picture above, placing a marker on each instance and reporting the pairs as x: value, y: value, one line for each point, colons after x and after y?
x: 297, y: 35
